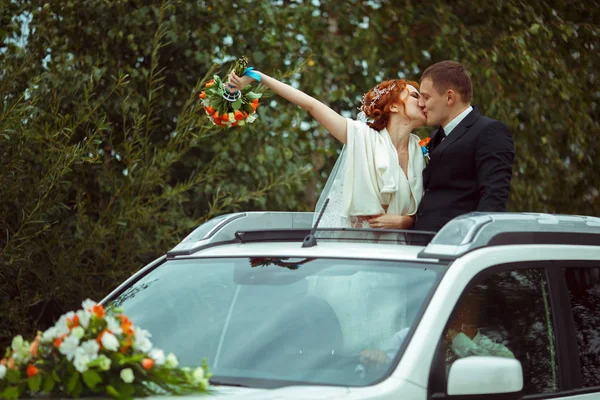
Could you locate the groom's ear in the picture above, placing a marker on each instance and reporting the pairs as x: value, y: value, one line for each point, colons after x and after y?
x: 450, y: 97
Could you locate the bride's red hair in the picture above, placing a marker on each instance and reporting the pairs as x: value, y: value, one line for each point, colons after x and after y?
x: 377, y: 102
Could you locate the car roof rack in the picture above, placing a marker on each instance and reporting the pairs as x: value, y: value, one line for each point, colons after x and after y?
x: 477, y: 229
x: 258, y: 226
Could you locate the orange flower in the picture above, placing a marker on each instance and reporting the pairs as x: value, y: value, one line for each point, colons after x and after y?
x: 32, y: 370
x: 99, y: 337
x: 238, y: 115
x: 147, y: 363
x: 210, y: 83
x: 10, y: 363
x: 3, y: 361
x: 217, y: 121
x: 202, y: 95
x: 209, y: 110
x: 245, y: 114
x: 58, y: 341
x: 126, y: 325
x: 33, y: 349
x: 234, y: 124
x: 225, y: 117
x: 73, y: 322
x: 123, y: 349
x: 424, y: 142
x: 98, y: 310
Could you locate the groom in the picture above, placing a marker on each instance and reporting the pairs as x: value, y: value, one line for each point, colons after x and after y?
x: 471, y: 156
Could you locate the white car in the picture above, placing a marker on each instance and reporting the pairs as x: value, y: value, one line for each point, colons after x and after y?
x: 494, y: 306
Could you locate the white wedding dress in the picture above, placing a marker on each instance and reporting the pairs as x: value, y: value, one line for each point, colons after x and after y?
x: 367, y: 177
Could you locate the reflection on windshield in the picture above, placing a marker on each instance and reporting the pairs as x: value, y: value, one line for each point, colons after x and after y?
x: 309, y: 320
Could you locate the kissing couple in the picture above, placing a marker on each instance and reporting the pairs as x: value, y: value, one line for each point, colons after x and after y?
x: 385, y: 176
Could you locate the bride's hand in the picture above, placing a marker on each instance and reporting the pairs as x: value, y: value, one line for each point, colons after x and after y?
x: 391, y: 221
x: 236, y: 83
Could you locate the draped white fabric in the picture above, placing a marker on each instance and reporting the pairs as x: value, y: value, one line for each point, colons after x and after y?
x: 368, y: 176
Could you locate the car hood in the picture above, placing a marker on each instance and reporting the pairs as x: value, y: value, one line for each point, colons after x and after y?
x: 288, y: 392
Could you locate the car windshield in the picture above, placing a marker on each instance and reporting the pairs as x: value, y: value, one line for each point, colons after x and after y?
x: 268, y: 322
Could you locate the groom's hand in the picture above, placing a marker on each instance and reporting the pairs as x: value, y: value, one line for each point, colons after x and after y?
x: 236, y: 83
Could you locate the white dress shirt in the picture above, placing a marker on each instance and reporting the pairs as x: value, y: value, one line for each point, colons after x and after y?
x: 457, y: 120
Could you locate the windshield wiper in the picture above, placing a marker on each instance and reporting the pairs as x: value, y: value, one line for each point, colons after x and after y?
x: 222, y: 383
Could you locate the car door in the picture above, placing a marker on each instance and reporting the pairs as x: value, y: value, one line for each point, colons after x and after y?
x: 533, y: 312
x: 576, y: 285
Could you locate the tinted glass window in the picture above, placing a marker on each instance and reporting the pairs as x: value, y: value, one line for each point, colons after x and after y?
x: 508, y: 314
x: 584, y: 291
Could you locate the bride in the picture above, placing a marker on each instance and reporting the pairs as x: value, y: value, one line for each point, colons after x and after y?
x: 377, y: 181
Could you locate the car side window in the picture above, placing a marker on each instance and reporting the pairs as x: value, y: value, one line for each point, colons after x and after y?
x: 584, y: 292
x: 507, y: 314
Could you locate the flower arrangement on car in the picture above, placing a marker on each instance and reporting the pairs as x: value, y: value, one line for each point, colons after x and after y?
x: 226, y: 109
x: 94, y: 352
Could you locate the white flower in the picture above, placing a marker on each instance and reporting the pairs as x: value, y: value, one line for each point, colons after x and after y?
x: 158, y: 356
x: 84, y: 318
x: 104, y: 363
x: 20, y: 348
x: 69, y: 346
x: 91, y: 348
x: 110, y: 341
x: 127, y: 375
x: 2, y: 371
x: 142, y: 341
x: 78, y: 332
x: 81, y: 360
x: 251, y: 119
x: 198, y: 375
x: 113, y: 325
x: 171, y: 361
x: 87, y: 304
x: 198, y: 378
x: 49, y: 335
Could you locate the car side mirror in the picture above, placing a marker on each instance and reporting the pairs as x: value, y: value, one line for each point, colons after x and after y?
x: 481, y: 375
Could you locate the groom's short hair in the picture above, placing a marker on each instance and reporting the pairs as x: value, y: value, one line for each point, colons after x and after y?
x: 450, y: 75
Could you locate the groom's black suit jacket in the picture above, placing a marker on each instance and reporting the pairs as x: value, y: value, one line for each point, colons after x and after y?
x: 470, y: 170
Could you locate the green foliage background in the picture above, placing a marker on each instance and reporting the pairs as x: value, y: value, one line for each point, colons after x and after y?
x: 107, y: 160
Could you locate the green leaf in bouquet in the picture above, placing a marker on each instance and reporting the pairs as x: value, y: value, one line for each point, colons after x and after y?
x: 112, y: 391
x: 91, y: 378
x: 55, y: 376
x: 253, y: 95
x: 125, y: 389
x: 135, y: 359
x: 13, y: 375
x: 11, y: 393
x: 34, y: 382
x: 237, y: 104
x: 72, y: 383
x: 48, y: 384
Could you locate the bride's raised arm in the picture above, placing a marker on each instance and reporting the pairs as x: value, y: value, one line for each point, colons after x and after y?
x: 331, y: 120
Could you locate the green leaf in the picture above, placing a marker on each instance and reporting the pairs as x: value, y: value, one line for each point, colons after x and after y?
x: 72, y: 383
x: 34, y: 382
x: 13, y: 375
x: 55, y: 376
x: 48, y: 384
x: 91, y: 378
x: 11, y: 393
x: 112, y: 391
x: 236, y: 104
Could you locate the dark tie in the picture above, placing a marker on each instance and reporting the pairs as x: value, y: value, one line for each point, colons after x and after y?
x: 439, y: 136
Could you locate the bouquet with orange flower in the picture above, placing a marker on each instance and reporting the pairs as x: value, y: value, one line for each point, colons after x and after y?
x: 94, y: 352
x: 227, y: 109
